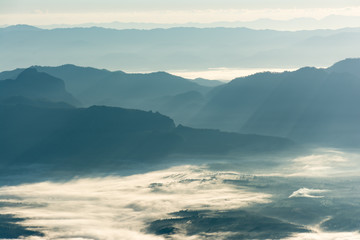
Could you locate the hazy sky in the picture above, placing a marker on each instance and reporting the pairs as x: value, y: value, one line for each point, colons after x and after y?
x: 40, y: 12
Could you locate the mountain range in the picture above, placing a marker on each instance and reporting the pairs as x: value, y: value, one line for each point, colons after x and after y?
x: 309, y: 105
x: 175, y: 48
x: 36, y: 85
x: 159, y: 91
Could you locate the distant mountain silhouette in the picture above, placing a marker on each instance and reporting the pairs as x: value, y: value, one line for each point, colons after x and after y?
x: 153, y: 91
x: 137, y: 90
x: 77, y: 79
x: 21, y: 27
x: 208, y: 83
x: 175, y: 48
x: 95, y: 86
x: 181, y: 107
x: 102, y: 136
x: 308, y: 105
x: 32, y: 84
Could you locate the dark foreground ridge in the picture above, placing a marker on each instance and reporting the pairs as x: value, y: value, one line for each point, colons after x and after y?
x: 99, y: 135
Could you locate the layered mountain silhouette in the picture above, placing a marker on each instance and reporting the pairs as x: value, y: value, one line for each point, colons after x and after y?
x: 350, y: 65
x: 103, y: 136
x: 208, y: 83
x: 36, y: 85
x: 175, y: 48
x: 159, y: 91
x: 308, y: 105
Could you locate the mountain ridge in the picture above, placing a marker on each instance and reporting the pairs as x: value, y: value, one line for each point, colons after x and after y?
x: 309, y: 105
x: 172, y: 48
x: 289, y: 104
x: 33, y: 84
x: 101, y: 136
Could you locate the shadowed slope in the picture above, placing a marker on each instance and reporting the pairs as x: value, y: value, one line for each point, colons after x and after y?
x: 32, y: 84
x: 107, y: 136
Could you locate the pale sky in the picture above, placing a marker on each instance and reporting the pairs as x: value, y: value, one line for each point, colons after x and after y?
x: 41, y: 12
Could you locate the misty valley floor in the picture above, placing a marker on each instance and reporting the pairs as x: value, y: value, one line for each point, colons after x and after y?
x: 242, y: 128
x: 314, y: 196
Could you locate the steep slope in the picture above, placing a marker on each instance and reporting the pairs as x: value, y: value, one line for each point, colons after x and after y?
x: 279, y: 112
x: 333, y: 116
x: 32, y: 84
x: 308, y: 105
x: 231, y: 105
x: 77, y: 79
x: 349, y: 65
x: 181, y: 107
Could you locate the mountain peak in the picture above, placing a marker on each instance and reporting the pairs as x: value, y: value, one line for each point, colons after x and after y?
x: 31, y: 71
x: 349, y: 65
x: 349, y: 62
x: 39, y: 78
x: 22, y: 27
x: 36, y: 85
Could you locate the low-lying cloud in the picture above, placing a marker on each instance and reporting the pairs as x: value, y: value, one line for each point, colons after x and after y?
x: 120, y: 207
x: 324, y: 163
x: 326, y: 236
x: 115, y: 207
x: 309, y: 193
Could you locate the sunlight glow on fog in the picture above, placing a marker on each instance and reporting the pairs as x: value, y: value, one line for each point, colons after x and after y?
x: 225, y: 74
x: 326, y: 163
x: 322, y: 163
x: 116, y: 207
x: 306, y: 192
x: 119, y: 207
x: 326, y: 236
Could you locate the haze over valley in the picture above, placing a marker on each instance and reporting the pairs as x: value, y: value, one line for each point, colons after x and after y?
x: 201, y: 120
